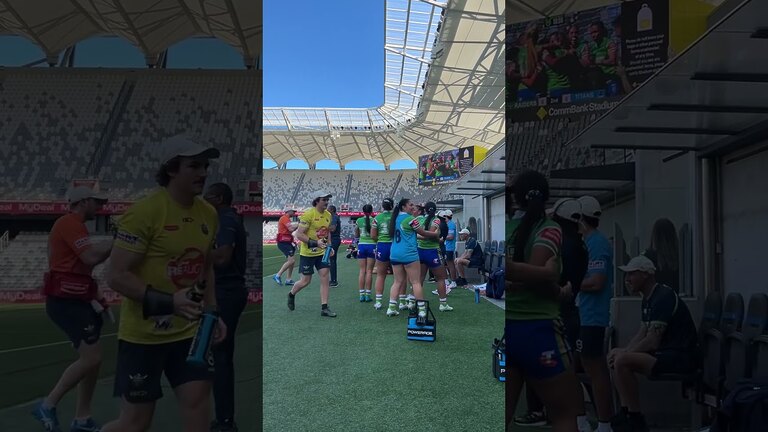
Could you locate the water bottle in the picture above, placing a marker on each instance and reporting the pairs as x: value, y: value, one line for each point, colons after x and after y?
x: 199, y: 351
x: 327, y: 255
x: 477, y: 294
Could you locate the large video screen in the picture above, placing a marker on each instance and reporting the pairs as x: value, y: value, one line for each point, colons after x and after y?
x: 583, y: 61
x: 448, y: 166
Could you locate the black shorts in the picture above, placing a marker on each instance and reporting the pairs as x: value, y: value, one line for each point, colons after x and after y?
x: 76, y: 318
x: 450, y: 255
x: 141, y: 366
x: 673, y: 361
x: 287, y: 248
x: 307, y: 265
x: 591, y: 342
x: 570, y: 319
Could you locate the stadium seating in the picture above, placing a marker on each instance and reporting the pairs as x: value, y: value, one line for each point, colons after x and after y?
x: 50, y: 127
x: 740, y: 354
x: 715, y: 349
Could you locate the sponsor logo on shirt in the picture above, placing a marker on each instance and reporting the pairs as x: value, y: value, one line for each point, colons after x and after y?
x: 82, y: 242
x: 322, y: 232
x: 127, y: 237
x: 171, y: 227
x: 186, y: 269
x: 414, y: 223
x: 597, y: 265
x: 547, y: 359
x: 187, y: 220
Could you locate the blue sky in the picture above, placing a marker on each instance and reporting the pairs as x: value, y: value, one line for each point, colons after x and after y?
x: 316, y: 54
x: 325, y: 54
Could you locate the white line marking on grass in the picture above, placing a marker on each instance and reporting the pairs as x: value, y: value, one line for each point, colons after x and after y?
x: 7, y: 351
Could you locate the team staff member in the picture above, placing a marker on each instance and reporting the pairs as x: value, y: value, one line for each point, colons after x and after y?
x: 285, y: 228
x: 594, y: 303
x: 380, y: 234
x: 163, y: 248
x: 666, y: 341
x: 229, y: 260
x: 313, y: 234
x: 471, y: 258
x: 450, y: 246
x: 335, y: 229
x: 69, y: 290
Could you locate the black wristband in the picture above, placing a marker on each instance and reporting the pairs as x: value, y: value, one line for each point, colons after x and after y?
x: 157, y: 303
x: 312, y: 244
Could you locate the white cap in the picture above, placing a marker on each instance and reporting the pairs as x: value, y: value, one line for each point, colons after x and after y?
x: 464, y: 231
x: 321, y: 194
x: 447, y: 213
x: 639, y: 263
x: 590, y: 207
x: 568, y: 209
x: 181, y: 145
x: 80, y: 193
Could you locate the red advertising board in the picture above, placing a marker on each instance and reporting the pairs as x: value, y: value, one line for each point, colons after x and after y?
x: 36, y: 296
x: 17, y: 208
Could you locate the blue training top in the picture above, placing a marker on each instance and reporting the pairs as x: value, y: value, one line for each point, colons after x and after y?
x: 450, y: 245
x: 404, y: 246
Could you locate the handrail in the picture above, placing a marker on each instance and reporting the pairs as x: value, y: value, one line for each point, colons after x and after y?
x: 5, y: 239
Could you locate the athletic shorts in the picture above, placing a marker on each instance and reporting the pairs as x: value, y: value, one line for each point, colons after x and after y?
x: 673, y: 361
x: 429, y: 257
x: 394, y: 263
x: 382, y: 251
x: 140, y: 368
x: 537, y: 348
x: 307, y: 265
x: 591, y: 342
x: 570, y: 319
x: 365, y: 251
x: 287, y: 248
x: 76, y: 318
x: 450, y: 255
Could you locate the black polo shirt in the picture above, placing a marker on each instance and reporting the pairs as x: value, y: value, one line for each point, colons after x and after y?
x: 664, y: 306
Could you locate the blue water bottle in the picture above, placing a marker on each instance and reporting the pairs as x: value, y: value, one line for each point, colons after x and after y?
x: 200, y: 350
x: 477, y: 294
x: 327, y: 254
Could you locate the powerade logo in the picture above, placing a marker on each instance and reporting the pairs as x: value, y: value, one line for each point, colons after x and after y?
x: 420, y: 332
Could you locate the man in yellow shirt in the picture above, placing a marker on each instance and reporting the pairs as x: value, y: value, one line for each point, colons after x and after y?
x: 313, y: 234
x: 162, y: 249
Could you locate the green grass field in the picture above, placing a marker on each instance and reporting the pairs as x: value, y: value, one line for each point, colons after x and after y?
x: 358, y: 372
x: 33, y: 353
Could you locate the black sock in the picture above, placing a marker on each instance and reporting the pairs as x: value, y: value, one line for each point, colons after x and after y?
x: 324, y: 306
x: 291, y: 295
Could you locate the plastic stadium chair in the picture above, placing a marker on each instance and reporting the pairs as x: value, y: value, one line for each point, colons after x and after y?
x: 740, y: 343
x: 715, y: 350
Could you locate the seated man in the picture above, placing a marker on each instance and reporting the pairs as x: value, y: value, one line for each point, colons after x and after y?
x: 471, y: 258
x: 665, y: 343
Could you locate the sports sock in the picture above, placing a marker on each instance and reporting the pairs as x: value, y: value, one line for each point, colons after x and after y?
x: 402, y: 298
x: 291, y: 295
x: 368, y: 292
x: 362, y: 292
x: 443, y: 301
x: 324, y: 306
x: 379, y: 297
x: 47, y: 405
x: 392, y: 304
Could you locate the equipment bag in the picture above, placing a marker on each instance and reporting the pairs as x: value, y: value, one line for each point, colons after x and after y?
x: 495, y: 286
x: 745, y: 409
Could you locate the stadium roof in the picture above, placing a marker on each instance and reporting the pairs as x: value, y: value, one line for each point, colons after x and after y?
x: 150, y: 25
x: 439, y: 94
x: 707, y: 100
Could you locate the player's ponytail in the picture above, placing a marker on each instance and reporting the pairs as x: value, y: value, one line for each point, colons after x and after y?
x: 531, y: 191
x: 430, y: 208
x: 403, y: 202
x: 367, y: 210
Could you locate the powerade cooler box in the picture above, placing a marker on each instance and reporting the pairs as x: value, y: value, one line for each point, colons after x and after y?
x: 500, y: 359
x: 422, y: 330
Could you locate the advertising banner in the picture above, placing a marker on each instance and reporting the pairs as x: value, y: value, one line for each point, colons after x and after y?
x: 20, y: 208
x: 37, y: 297
x: 584, y: 61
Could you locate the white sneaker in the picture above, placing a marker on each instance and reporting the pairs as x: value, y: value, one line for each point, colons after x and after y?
x: 403, y: 306
x: 377, y: 305
x: 450, y: 285
x: 445, y: 307
x: 392, y: 312
x: 435, y: 292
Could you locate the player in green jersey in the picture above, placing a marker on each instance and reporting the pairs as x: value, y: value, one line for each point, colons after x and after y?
x: 381, y: 235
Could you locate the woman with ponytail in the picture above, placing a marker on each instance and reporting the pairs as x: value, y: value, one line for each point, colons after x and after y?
x: 405, y: 254
x: 429, y: 254
x: 365, y: 253
x: 380, y: 234
x: 534, y: 332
